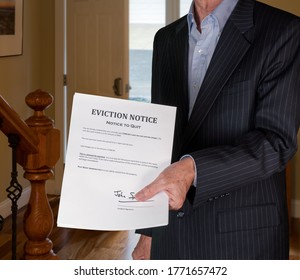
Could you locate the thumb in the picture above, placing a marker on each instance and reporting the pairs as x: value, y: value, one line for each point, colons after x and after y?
x: 146, y: 193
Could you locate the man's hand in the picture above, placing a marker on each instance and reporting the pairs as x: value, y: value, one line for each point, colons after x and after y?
x: 142, y: 249
x: 175, y: 181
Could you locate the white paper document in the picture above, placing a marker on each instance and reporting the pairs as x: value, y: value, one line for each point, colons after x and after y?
x: 115, y: 148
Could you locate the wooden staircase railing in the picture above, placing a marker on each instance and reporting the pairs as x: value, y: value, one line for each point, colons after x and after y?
x: 37, y: 152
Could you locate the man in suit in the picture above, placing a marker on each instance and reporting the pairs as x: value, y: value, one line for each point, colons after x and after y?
x: 231, y: 67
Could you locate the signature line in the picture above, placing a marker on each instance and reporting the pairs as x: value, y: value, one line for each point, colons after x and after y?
x: 131, y: 201
x: 150, y: 206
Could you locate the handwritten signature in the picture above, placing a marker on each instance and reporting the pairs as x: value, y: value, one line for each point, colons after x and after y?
x: 123, y: 196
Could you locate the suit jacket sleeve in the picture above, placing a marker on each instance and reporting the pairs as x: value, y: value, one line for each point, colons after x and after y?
x: 271, y: 144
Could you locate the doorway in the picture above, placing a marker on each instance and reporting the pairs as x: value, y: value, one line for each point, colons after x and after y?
x: 146, y: 17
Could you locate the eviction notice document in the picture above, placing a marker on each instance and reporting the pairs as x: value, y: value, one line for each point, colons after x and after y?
x: 115, y: 148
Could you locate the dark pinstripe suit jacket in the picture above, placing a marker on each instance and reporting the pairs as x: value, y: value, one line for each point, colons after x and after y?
x: 241, y: 133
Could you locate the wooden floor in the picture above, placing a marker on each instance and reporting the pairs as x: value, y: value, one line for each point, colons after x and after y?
x: 295, y: 240
x: 72, y: 244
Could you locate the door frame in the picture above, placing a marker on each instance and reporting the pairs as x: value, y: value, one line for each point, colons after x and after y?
x: 54, y: 186
x: 172, y: 10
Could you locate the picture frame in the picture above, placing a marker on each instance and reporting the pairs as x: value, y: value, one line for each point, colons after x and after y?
x: 11, y: 27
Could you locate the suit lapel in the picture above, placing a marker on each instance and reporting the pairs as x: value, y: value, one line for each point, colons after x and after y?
x: 178, y: 69
x: 179, y: 63
x: 232, y: 46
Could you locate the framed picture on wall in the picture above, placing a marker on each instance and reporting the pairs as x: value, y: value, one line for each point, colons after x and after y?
x: 11, y: 27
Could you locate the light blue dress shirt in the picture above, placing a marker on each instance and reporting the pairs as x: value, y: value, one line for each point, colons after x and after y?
x: 202, y: 45
x: 201, y: 48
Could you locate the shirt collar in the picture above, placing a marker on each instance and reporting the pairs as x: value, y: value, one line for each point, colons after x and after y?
x: 222, y: 13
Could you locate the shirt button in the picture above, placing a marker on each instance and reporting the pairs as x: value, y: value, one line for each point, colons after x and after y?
x: 180, y: 214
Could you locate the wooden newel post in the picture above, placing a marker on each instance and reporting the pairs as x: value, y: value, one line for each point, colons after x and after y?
x: 38, y: 167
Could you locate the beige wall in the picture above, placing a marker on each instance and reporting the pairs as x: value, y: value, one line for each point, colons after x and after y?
x: 22, y: 74
x: 296, y: 174
x: 292, y: 6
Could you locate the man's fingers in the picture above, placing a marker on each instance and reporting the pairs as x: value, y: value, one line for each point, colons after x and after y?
x: 175, y: 181
x: 140, y: 196
x: 147, y: 192
x: 144, y: 194
x: 142, y: 249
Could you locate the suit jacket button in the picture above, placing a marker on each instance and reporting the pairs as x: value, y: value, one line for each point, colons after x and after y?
x: 180, y: 214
